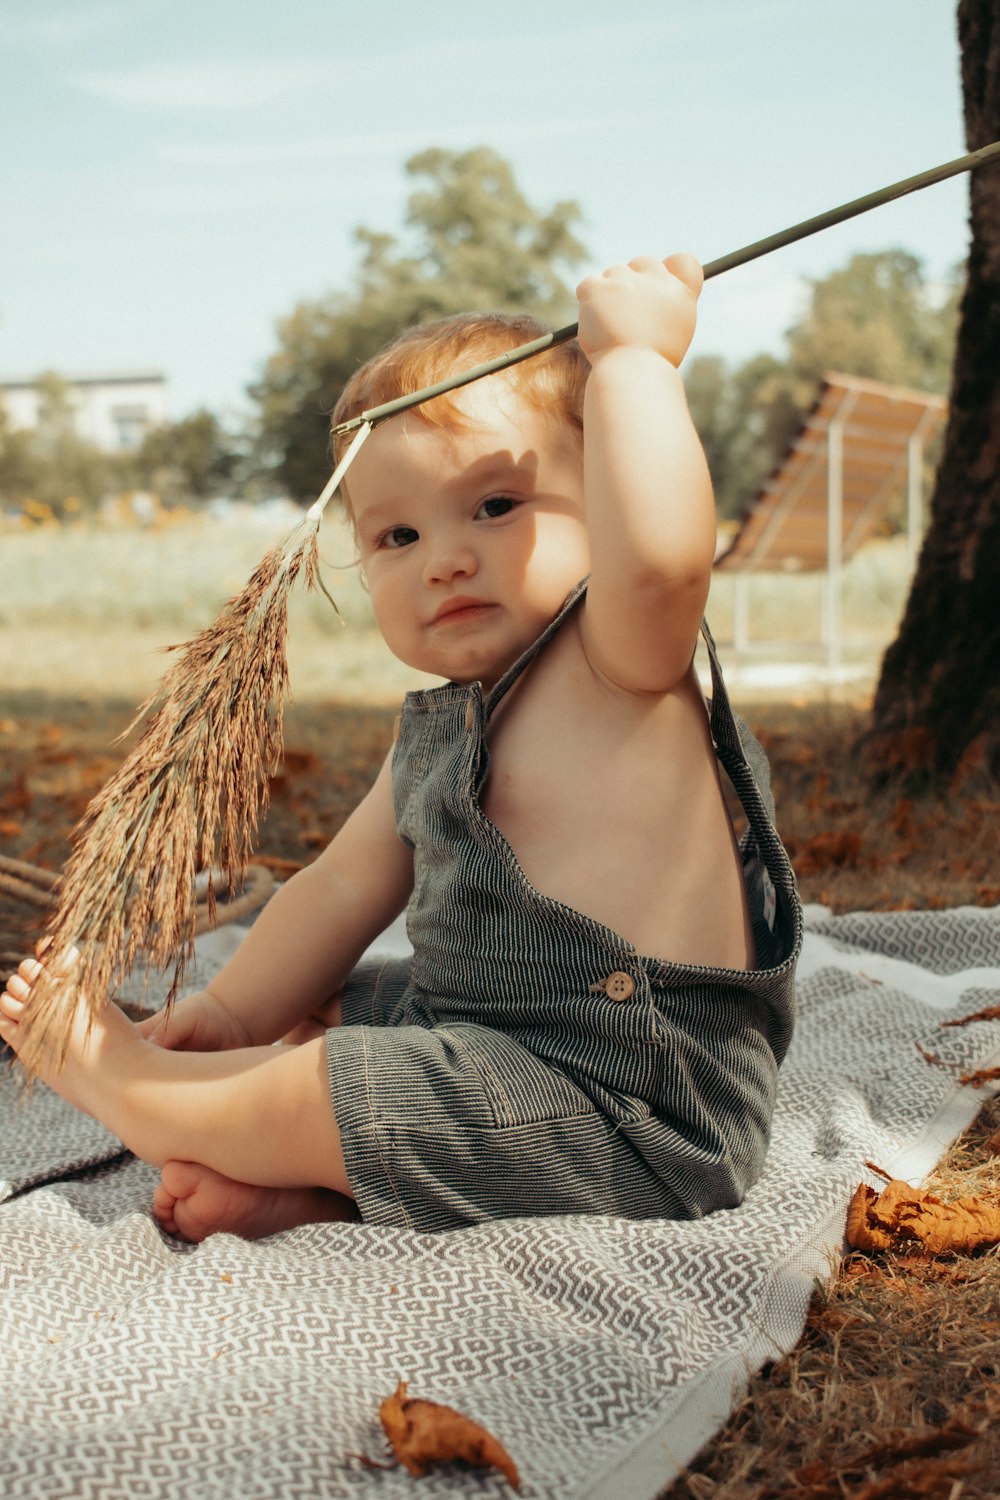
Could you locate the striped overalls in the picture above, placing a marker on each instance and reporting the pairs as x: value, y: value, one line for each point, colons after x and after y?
x: 490, y: 1077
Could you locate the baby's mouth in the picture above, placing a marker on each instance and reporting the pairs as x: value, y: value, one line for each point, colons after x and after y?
x: 460, y: 608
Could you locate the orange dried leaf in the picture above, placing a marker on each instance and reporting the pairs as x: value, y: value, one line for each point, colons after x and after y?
x: 423, y: 1433
x: 991, y: 1013
x: 979, y: 1076
x: 900, y: 1215
x: 830, y: 850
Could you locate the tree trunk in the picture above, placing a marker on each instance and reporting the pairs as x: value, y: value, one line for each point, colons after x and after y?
x: 938, y: 697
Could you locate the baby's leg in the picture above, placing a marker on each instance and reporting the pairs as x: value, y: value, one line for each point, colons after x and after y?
x: 260, y: 1116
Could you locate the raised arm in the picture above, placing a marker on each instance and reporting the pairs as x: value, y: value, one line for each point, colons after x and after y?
x: 650, y: 510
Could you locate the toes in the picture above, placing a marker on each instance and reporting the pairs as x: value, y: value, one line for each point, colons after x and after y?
x: 180, y: 1178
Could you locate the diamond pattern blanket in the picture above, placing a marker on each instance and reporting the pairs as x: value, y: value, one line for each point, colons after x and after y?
x: 601, y: 1353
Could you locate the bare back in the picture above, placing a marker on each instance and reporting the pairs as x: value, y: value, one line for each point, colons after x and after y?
x: 612, y: 803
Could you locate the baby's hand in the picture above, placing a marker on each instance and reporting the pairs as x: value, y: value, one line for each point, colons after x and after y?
x: 198, y: 1023
x: 648, y: 304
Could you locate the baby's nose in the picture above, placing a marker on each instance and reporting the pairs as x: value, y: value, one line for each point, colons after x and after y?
x: 450, y: 559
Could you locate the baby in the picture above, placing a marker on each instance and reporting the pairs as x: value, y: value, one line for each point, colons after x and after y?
x: 601, y: 987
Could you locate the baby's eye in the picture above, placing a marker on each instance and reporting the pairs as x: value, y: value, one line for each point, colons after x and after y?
x: 398, y: 536
x: 496, y: 506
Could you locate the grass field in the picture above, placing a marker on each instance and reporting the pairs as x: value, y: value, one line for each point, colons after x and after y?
x: 895, y: 1345
x: 82, y: 609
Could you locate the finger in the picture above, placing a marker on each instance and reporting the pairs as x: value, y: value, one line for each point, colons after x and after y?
x: 10, y: 1006
x: 686, y: 268
x: 18, y: 987
x: 43, y: 945
x: 29, y: 969
x: 57, y: 965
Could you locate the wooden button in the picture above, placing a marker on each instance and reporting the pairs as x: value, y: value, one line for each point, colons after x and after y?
x: 619, y: 985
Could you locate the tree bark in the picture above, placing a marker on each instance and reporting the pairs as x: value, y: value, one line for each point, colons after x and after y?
x: 938, y: 697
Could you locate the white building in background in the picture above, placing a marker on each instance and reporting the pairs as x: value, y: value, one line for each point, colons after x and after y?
x: 114, y: 412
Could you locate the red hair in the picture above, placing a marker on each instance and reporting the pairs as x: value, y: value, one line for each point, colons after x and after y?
x: 552, y: 382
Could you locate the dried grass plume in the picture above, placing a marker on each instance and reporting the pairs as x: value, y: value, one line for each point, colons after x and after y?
x: 189, y: 796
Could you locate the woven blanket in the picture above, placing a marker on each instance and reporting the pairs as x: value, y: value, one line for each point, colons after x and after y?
x: 601, y: 1353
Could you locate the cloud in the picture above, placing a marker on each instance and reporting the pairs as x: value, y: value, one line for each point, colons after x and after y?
x: 396, y: 143
x: 196, y: 86
x: 260, y: 194
x: 71, y: 26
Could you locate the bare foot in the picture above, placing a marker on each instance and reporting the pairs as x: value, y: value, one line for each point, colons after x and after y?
x: 194, y: 1202
x: 257, y: 1115
x: 98, y: 1049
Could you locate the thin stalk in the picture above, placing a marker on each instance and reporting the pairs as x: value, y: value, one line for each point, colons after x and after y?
x: 983, y: 157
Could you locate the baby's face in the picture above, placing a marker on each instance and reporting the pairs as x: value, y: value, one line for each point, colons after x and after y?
x: 471, y: 539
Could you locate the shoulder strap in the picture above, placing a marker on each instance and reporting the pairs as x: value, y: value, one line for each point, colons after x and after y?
x: 725, y: 726
x: 507, y: 681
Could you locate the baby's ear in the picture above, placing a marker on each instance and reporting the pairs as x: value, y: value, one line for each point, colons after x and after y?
x: 687, y: 268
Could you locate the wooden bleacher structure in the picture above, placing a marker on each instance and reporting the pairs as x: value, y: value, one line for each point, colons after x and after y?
x: 859, y: 447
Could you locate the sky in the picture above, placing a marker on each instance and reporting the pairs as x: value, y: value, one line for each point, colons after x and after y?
x: 179, y: 174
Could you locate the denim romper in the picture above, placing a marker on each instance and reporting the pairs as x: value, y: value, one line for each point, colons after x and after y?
x: 527, y: 1059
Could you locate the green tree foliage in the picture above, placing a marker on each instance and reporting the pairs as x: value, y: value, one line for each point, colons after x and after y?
x: 190, y: 460
x: 18, y: 466
x: 876, y: 317
x: 472, y: 241
x: 52, y: 466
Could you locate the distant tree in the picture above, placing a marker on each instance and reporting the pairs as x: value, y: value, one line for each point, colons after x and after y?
x: 18, y: 464
x: 69, y: 475
x: 193, y: 459
x: 473, y: 241
x: 939, y: 690
x: 745, y: 417
x: 878, y: 317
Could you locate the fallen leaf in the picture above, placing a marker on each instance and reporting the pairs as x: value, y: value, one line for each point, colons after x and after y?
x: 314, y: 838
x: 296, y: 760
x: 902, y: 821
x: 423, y: 1433
x: 836, y: 849
x: 991, y: 1013
x: 16, y: 798
x: 900, y: 1215
x: 979, y: 1076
